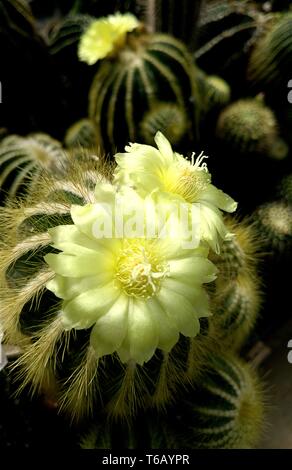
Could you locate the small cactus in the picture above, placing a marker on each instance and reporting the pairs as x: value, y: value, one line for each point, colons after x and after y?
x: 273, y: 221
x: 218, y: 92
x: 168, y: 118
x: 247, y: 126
x: 82, y: 133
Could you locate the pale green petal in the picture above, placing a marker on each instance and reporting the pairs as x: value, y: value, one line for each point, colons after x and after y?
x: 79, y: 266
x: 85, y: 309
x: 84, y: 217
x: 192, y: 270
x: 180, y: 311
x: 105, y: 193
x: 168, y: 332
x: 213, y: 229
x: 69, y: 287
x: 67, y: 237
x: 164, y: 147
x: 142, y: 337
x: 217, y: 197
x: 110, y: 330
x: 195, y: 294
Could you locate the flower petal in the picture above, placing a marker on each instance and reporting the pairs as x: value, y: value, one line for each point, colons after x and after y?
x: 85, y: 309
x: 168, y: 333
x: 78, y: 266
x: 193, y: 270
x: 142, y: 337
x: 164, y: 147
x: 195, y: 294
x: 180, y: 311
x: 110, y: 330
x: 217, y: 197
x: 69, y: 287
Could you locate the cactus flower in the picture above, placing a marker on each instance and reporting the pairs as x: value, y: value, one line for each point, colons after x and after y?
x: 148, y: 169
x: 103, y: 35
x: 137, y: 294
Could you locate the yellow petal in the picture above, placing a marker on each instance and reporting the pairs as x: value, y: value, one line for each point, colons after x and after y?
x: 142, y: 337
x: 85, y: 309
x: 110, y: 330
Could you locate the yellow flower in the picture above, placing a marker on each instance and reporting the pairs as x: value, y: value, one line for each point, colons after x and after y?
x: 148, y: 169
x: 139, y: 293
x: 104, y: 35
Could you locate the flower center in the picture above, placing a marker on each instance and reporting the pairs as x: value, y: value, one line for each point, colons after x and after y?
x: 189, y: 180
x: 139, y: 271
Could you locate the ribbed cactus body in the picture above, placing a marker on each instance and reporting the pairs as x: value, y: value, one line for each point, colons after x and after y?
x: 239, y: 254
x: 30, y: 314
x: 236, y: 308
x: 247, y: 126
x: 82, y: 133
x: 66, y: 34
x: 170, y: 119
x: 20, y: 157
x: 218, y: 92
x: 225, y: 34
x: 16, y: 14
x: 274, y: 224
x: 236, y: 300
x: 148, y: 69
x: 226, y: 409
x: 270, y: 62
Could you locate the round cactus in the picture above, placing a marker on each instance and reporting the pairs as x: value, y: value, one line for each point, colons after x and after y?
x: 22, y: 156
x: 168, y: 118
x: 273, y: 221
x: 247, y: 126
x: 65, y: 360
x: 82, y: 133
x: 226, y: 409
x: 148, y: 68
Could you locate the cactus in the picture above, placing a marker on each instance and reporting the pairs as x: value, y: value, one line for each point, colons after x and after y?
x: 247, y: 126
x: 273, y: 221
x: 63, y: 360
x: 236, y: 300
x: 22, y: 156
x: 82, y: 133
x: 236, y: 306
x: 170, y: 119
x: 225, y: 411
x: 239, y: 254
x: 218, y: 92
x: 226, y: 32
x: 148, y: 68
x: 285, y: 189
x: 270, y: 62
